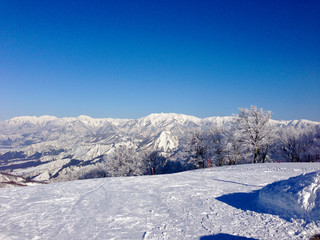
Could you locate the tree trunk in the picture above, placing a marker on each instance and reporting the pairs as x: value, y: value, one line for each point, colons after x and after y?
x: 255, y: 155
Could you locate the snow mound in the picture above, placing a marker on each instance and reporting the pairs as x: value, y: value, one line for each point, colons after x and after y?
x: 296, y: 197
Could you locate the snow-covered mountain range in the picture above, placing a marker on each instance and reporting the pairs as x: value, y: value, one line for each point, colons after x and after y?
x: 51, y: 148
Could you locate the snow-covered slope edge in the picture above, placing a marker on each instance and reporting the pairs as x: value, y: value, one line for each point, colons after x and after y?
x: 175, y: 206
x: 296, y: 197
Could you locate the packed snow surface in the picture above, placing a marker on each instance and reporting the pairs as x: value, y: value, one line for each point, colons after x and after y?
x: 296, y: 197
x: 216, y: 203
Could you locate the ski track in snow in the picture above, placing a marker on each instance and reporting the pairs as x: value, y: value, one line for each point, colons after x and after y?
x: 176, y: 206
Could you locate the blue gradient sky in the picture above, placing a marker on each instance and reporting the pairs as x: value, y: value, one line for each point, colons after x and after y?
x: 127, y: 59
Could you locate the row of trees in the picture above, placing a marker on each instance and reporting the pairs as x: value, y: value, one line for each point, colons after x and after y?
x: 126, y: 161
x: 251, y: 137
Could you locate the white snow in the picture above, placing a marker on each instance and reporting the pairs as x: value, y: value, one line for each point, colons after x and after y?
x: 166, y: 141
x: 32, y: 119
x: 49, y: 139
x: 160, y: 118
x: 9, y: 181
x: 298, y: 196
x: 207, y: 204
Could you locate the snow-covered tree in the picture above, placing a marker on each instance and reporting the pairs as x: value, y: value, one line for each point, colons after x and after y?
x: 316, y: 145
x: 197, y: 150
x: 93, y: 171
x: 254, y: 132
x: 299, y: 144
x: 124, y: 161
x: 215, y: 146
x: 232, y: 146
x: 290, y: 143
x: 206, y: 147
x: 154, y: 161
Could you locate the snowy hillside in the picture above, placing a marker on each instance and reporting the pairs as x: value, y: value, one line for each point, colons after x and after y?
x: 216, y: 203
x: 58, y: 149
x: 9, y: 180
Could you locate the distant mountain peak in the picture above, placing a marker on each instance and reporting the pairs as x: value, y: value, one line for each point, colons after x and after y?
x: 62, y: 146
x: 33, y: 119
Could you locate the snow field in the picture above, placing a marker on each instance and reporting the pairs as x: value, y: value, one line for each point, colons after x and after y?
x: 187, y: 205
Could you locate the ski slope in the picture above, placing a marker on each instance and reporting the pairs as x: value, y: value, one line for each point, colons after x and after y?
x: 216, y: 203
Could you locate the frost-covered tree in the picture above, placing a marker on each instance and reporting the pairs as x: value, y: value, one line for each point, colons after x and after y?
x: 216, y: 146
x: 93, y: 171
x: 299, y: 144
x: 316, y: 145
x: 232, y: 146
x: 206, y: 147
x: 254, y: 132
x: 197, y: 150
x: 290, y: 143
x: 154, y: 162
x: 124, y: 161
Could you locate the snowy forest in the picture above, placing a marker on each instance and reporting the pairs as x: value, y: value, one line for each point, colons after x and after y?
x: 250, y: 137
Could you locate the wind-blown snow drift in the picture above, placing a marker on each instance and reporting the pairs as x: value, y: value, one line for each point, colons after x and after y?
x: 296, y: 197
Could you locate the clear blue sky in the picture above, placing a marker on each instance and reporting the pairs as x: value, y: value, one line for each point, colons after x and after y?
x: 127, y: 59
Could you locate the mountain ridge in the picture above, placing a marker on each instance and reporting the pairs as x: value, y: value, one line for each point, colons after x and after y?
x: 152, y: 118
x: 44, y: 146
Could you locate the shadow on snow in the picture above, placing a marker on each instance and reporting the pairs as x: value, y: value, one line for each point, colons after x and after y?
x: 227, y: 181
x: 249, y: 202
x: 242, y: 200
x: 223, y: 236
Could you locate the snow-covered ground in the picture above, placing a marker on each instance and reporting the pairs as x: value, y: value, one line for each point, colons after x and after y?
x: 216, y: 203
